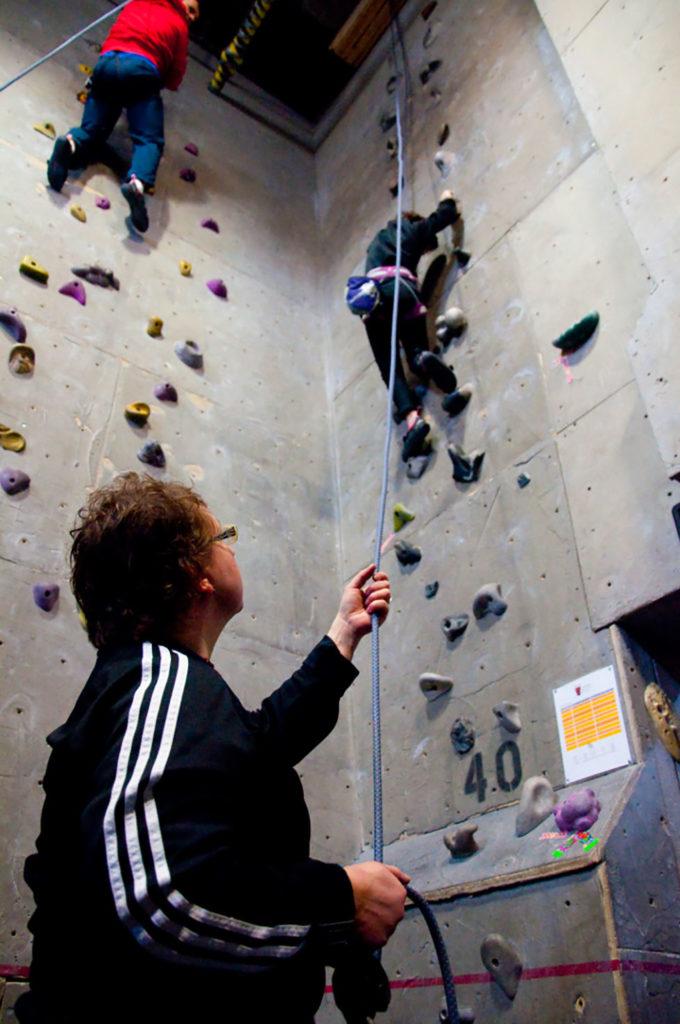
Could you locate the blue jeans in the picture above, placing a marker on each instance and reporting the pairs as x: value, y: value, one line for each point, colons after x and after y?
x: 125, y: 81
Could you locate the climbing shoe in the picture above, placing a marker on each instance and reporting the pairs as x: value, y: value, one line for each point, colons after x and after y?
x: 59, y: 163
x: 434, y: 367
x: 414, y: 439
x: 457, y: 400
x: 135, y: 200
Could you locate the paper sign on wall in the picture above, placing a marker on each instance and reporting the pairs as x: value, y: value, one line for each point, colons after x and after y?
x: 590, y: 723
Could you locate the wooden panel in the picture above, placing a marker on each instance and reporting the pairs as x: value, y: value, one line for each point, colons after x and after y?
x: 363, y: 29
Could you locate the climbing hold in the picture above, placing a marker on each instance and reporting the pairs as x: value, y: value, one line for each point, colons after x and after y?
x: 165, y: 392
x: 431, y: 589
x: 392, y: 84
x: 488, y: 601
x: 428, y: 9
x: 31, y: 268
x: 11, y: 440
x: 443, y: 134
x: 211, y: 225
x: 103, y: 203
x: 192, y: 148
x: 433, y: 685
x: 416, y: 466
x: 218, y: 287
x: 85, y: 69
x: 444, y: 162
x: 426, y: 73
x: 97, y: 275
x: 436, y: 370
x: 391, y: 146
x: 14, y: 481
x: 463, y: 257
x: 507, y: 714
x: 394, y: 186
x: 154, y: 327
x: 407, y: 554
x: 13, y: 324
x: 578, y: 812
x: 503, y: 963
x: 185, y: 268
x: 152, y: 454
x: 454, y: 626
x: 401, y: 516
x: 22, y: 360
x: 465, y: 467
x: 46, y: 595
x: 466, y: 1015
x: 462, y: 735
x: 535, y: 804
x: 454, y: 320
x: 523, y: 480
x: 46, y: 128
x: 432, y: 34
x: 190, y: 354
x: 74, y: 290
x: 387, y: 121
x: 137, y: 413
x: 665, y: 718
x: 454, y: 403
x: 578, y: 334
x: 79, y: 213
x: 81, y: 618
x: 462, y: 842
x: 188, y: 174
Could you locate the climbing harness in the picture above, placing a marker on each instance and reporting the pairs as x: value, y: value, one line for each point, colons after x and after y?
x: 62, y: 46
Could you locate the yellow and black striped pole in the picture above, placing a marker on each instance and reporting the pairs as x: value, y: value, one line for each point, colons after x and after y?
x: 233, y: 55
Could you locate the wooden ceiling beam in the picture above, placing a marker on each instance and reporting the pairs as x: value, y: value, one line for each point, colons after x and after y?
x: 363, y: 29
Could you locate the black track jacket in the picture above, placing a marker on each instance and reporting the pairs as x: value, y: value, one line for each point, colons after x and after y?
x: 173, y: 881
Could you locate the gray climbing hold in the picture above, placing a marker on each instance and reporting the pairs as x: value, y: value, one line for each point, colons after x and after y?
x: 466, y: 468
x: 14, y: 481
x: 462, y: 735
x: 488, y: 601
x: 416, y: 466
x: 466, y: 1015
x: 454, y: 626
x: 22, y: 360
x: 503, y: 963
x: 97, y: 275
x: 192, y: 148
x: 444, y: 162
x: 443, y: 134
x: 425, y: 74
x: 406, y: 553
x: 152, y: 454
x: 165, y: 392
x: 188, y: 174
x: 433, y: 685
x: 535, y: 804
x: 217, y: 287
x: 387, y: 121
x: 190, y: 354
x: 454, y: 320
x: 391, y: 147
x: 211, y: 225
x: 13, y: 324
x: 523, y: 480
x: 46, y: 595
x: 431, y: 589
x: 74, y: 290
x: 507, y: 714
x: 462, y: 842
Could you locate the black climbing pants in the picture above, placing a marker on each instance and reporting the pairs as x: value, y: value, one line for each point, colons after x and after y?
x: 413, y: 337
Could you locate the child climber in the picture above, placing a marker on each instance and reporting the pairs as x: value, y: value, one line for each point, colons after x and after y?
x: 145, y: 51
x: 372, y: 297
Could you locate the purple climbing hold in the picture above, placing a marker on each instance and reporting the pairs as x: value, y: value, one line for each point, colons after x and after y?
x: 218, y: 287
x: 103, y: 203
x: 165, y: 392
x: 578, y: 812
x: 46, y: 595
x: 190, y: 354
x: 192, y: 148
x: 13, y: 324
x: 75, y: 290
x: 14, y: 481
x: 211, y: 225
x: 188, y: 174
x: 152, y: 454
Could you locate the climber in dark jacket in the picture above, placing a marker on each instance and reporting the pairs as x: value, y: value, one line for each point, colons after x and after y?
x: 418, y: 236
x: 172, y: 877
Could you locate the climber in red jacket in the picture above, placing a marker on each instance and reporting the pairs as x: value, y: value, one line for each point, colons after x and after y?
x: 145, y: 51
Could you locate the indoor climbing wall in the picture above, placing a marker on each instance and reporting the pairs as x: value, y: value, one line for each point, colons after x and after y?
x: 248, y: 428
x: 517, y: 109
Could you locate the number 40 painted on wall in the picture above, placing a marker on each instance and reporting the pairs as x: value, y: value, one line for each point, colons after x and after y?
x: 476, y: 779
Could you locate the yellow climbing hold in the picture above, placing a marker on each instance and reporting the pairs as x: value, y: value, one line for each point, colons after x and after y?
x: 85, y: 69
x: 79, y: 213
x: 31, y: 268
x: 21, y: 359
x: 155, y: 327
x: 11, y: 440
x: 185, y: 268
x: 46, y: 128
x: 82, y: 95
x: 81, y: 618
x: 137, y: 413
x: 401, y: 516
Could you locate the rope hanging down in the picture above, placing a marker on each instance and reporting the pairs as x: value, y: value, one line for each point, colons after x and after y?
x: 233, y: 55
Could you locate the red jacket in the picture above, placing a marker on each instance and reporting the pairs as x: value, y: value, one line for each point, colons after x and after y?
x: 157, y: 29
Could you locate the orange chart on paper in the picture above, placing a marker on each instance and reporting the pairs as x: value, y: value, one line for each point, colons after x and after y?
x: 591, y: 720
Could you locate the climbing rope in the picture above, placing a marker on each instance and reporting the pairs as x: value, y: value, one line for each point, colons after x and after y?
x: 62, y: 46
x: 378, y: 851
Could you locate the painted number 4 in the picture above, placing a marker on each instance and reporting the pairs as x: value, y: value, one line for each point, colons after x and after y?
x: 476, y: 779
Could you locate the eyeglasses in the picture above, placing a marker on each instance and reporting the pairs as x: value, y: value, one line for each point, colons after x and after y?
x: 229, y: 535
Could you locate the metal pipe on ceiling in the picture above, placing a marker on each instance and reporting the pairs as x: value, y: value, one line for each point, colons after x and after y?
x: 232, y: 56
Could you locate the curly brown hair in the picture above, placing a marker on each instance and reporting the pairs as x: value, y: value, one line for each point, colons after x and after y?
x: 137, y: 547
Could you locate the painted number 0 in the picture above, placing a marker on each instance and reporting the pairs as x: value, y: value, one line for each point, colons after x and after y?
x: 476, y: 780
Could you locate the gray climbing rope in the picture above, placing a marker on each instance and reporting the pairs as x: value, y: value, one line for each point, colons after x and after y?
x: 62, y: 46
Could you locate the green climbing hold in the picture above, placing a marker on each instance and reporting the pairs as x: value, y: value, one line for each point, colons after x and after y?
x: 578, y: 334
x: 31, y: 268
x: 137, y: 413
x: 401, y: 516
